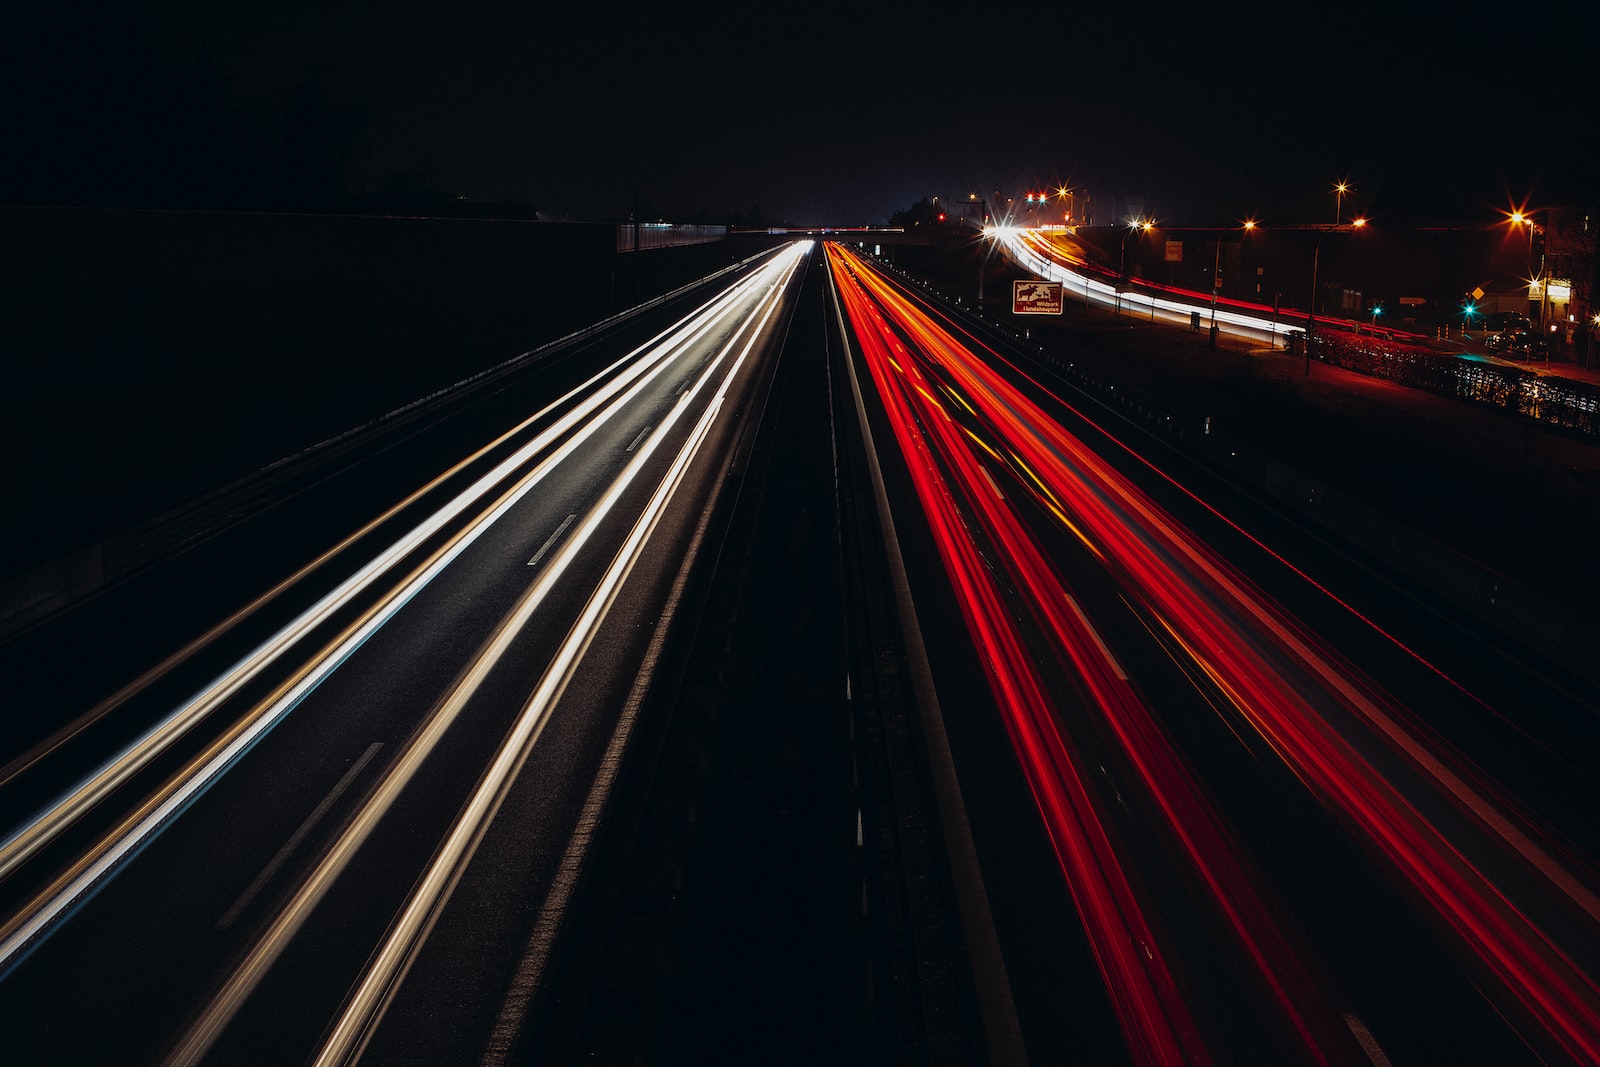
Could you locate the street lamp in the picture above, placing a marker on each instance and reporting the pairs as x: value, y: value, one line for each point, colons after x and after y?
x: 1216, y: 277
x: 1339, y: 189
x: 1134, y: 225
x: 983, y: 268
x: 1216, y: 268
x: 1064, y: 195
x: 1316, y: 252
x: 988, y: 239
x: 1521, y: 218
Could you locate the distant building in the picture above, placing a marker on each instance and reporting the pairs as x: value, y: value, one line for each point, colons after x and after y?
x: 1563, y: 288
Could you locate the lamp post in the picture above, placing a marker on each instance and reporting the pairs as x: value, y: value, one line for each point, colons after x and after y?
x: 983, y: 268
x: 1311, y: 315
x: 1216, y: 278
x: 1536, y: 277
x: 1216, y: 267
x: 1122, y: 262
x: 988, y: 238
x: 1339, y: 189
x: 1316, y: 252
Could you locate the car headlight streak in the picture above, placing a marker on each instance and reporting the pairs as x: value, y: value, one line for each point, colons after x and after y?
x: 407, y: 934
x: 1027, y: 250
x: 588, y: 407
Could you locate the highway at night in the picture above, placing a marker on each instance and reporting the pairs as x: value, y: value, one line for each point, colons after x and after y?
x: 1050, y: 742
x: 1041, y: 252
x: 1129, y: 641
x: 253, y: 850
x: 740, y: 536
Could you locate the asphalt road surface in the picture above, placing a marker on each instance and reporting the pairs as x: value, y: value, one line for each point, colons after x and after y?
x: 258, y: 852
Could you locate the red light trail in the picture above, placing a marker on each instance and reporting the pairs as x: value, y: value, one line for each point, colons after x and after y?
x: 968, y: 433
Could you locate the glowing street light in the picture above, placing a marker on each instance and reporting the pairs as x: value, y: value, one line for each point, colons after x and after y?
x: 1316, y: 252
x: 1216, y: 278
x: 1339, y: 189
x: 1064, y: 195
x: 1134, y: 225
x: 1519, y: 217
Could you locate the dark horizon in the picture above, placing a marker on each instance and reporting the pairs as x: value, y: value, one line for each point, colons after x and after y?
x: 817, y: 117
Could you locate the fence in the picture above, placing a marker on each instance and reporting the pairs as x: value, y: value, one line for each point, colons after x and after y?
x: 637, y: 236
x: 1573, y: 405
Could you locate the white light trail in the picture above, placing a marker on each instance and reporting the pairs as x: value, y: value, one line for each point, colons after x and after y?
x: 628, y: 377
x: 410, y: 931
x: 377, y: 988
x: 1017, y: 244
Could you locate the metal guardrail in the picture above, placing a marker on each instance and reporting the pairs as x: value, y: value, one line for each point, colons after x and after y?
x: 1548, y: 398
x: 637, y: 236
x: 81, y: 571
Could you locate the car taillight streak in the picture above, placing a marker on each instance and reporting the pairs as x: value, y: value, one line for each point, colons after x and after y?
x: 1315, y: 711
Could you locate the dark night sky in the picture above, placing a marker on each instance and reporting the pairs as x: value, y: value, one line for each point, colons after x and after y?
x: 840, y: 113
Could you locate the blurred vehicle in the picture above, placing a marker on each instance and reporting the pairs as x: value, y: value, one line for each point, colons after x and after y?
x: 1502, y: 321
x: 1518, y: 344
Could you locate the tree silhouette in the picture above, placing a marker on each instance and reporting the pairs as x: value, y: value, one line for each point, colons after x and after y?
x: 921, y: 213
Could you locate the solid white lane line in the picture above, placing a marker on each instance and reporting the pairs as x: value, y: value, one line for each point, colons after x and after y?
x: 295, y: 838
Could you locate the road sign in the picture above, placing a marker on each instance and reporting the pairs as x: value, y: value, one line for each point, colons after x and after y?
x: 1035, y: 298
x: 1174, y: 251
